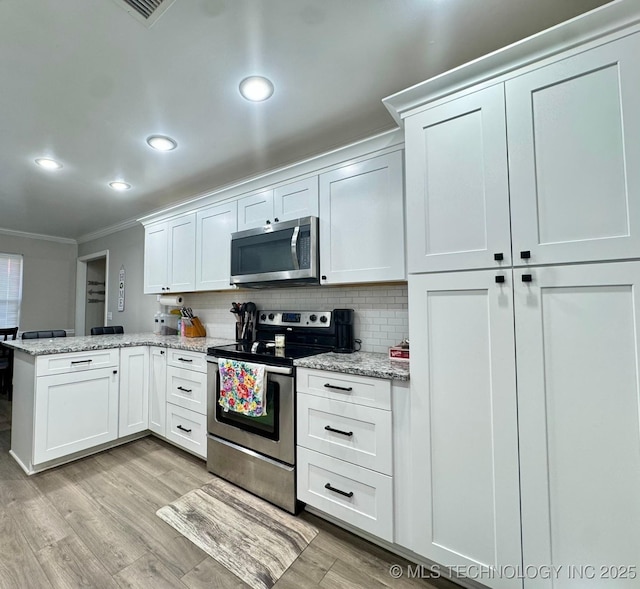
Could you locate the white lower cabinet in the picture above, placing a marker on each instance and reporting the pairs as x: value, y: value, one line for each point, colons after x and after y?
x: 187, y: 429
x: 74, y: 411
x: 569, y: 498
x: 578, y: 360
x: 134, y: 390
x: 157, y: 390
x: 186, y: 407
x: 466, y: 509
x: 345, y: 448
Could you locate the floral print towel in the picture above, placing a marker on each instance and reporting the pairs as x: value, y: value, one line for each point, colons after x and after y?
x: 241, y: 387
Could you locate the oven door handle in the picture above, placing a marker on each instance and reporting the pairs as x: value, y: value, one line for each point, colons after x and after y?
x: 287, y: 370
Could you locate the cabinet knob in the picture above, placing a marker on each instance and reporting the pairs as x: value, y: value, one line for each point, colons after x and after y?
x: 268, y: 222
x: 527, y: 278
x: 115, y: 372
x: 525, y: 254
x: 499, y: 279
x: 323, y: 277
x: 277, y: 220
x: 498, y: 257
x: 162, y: 351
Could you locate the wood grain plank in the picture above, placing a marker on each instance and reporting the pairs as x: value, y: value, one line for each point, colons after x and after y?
x: 69, y: 564
x: 210, y: 574
x: 19, y: 568
x: 115, y: 544
x: 148, y: 573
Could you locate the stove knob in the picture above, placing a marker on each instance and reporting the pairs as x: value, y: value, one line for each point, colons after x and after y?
x: 313, y: 317
x: 263, y: 317
x: 271, y: 316
x: 323, y: 319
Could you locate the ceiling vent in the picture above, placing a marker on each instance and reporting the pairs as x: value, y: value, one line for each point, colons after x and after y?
x: 145, y: 11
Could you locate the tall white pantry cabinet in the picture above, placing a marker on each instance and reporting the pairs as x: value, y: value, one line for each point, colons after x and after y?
x: 523, y: 224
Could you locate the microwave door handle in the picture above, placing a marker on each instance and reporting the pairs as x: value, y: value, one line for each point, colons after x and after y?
x: 294, y: 247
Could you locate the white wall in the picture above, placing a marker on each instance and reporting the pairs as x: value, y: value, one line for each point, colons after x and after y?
x: 125, y: 249
x: 49, y: 281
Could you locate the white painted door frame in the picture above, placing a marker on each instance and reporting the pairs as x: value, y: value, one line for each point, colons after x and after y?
x: 81, y: 288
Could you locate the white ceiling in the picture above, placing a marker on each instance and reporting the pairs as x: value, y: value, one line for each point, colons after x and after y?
x: 84, y: 82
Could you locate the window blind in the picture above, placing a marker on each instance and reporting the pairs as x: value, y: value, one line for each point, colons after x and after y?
x: 10, y: 289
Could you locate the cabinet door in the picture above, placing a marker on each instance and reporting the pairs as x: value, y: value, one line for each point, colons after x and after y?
x: 466, y: 507
x: 574, y: 148
x: 255, y: 210
x: 214, y: 226
x: 158, y: 391
x: 74, y: 412
x: 155, y: 258
x: 362, y: 222
x: 134, y: 390
x: 296, y: 200
x: 457, y: 184
x: 578, y: 394
x: 182, y: 253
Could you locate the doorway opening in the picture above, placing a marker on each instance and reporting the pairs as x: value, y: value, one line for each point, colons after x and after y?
x: 92, y: 292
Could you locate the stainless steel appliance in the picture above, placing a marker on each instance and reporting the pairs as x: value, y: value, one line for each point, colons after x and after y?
x: 277, y: 254
x: 258, y: 454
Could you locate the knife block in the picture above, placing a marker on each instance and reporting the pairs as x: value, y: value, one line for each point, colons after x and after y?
x: 196, y: 329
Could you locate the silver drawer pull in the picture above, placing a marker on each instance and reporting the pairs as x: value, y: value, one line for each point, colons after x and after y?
x: 337, y: 431
x: 337, y: 388
x: 185, y: 390
x: 81, y: 361
x: 184, y: 429
x: 185, y: 359
x: 349, y: 494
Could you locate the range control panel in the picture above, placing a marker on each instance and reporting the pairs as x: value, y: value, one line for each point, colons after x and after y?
x: 317, y: 319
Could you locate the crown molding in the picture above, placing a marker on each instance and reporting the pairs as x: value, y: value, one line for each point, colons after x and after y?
x: 24, y: 234
x: 107, y: 230
x: 588, y: 27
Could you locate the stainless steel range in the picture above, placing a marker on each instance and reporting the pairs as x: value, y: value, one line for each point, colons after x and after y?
x: 258, y: 453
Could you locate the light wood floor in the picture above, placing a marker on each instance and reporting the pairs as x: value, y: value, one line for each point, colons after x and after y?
x: 92, y: 523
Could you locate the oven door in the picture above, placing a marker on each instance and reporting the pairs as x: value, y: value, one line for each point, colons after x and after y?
x: 272, y: 435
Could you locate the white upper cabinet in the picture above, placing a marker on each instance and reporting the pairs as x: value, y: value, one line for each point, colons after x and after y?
x: 214, y: 226
x: 362, y: 222
x: 291, y: 201
x: 255, y: 210
x: 574, y: 147
x: 169, y: 255
x: 296, y: 200
x: 457, y: 185
x: 155, y: 258
x: 551, y: 151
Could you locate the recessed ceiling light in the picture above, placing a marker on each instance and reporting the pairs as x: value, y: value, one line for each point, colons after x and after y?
x: 161, y: 142
x: 48, y: 164
x: 119, y: 185
x: 256, y: 88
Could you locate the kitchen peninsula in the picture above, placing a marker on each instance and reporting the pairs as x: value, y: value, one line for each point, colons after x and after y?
x: 76, y: 396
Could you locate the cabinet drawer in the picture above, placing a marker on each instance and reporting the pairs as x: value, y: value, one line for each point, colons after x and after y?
x: 191, y: 360
x: 76, y: 361
x: 360, y: 435
x: 187, y: 389
x: 187, y: 429
x: 361, y: 497
x: 362, y: 390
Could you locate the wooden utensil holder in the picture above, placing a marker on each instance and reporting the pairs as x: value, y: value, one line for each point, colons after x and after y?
x: 196, y: 329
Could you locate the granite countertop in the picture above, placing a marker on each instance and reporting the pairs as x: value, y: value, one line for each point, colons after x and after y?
x: 61, y: 345
x: 360, y: 363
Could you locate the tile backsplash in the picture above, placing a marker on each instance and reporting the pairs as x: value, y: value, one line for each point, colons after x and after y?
x: 380, y: 319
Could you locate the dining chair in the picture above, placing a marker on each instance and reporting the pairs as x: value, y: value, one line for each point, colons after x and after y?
x: 44, y: 334
x: 6, y: 361
x: 107, y: 330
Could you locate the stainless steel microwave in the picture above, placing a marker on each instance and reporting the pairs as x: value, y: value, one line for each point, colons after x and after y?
x: 279, y: 254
